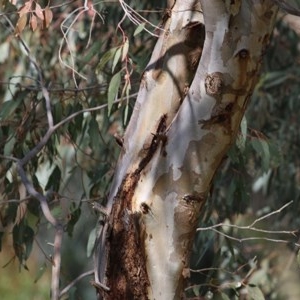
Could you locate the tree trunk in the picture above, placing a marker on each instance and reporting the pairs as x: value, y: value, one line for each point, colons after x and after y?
x: 186, y: 116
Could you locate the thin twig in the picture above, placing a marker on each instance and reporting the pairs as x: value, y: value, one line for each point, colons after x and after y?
x: 72, y: 283
x: 136, y: 18
x: 271, y: 213
x: 44, y: 252
x: 251, y: 226
x: 65, y: 31
x: 100, y: 285
x: 72, y: 116
x: 241, y: 240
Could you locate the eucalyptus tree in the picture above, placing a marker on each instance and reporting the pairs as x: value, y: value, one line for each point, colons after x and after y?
x: 192, y: 98
x: 55, y: 104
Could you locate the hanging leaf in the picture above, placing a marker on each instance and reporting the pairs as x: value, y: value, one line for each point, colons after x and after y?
x: 21, y: 24
x: 91, y: 242
x: 125, y: 49
x: 261, y: 147
x: 116, y: 58
x: 40, y: 272
x: 113, y: 90
x: 8, y: 108
x: 21, y: 211
x: 48, y: 16
x: 92, y: 51
x: 23, y: 237
x: 93, y: 132
x: 242, y: 137
x: 275, y: 78
x: 73, y: 218
x: 54, y: 180
x: 39, y: 11
x: 139, y: 29
x: 106, y: 58
x: 224, y: 296
x: 127, y: 89
x: 4, y: 52
x: 33, y: 22
x: 23, y: 10
x: 255, y: 293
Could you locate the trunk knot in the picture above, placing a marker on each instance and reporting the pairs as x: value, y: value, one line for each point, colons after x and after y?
x: 214, y: 83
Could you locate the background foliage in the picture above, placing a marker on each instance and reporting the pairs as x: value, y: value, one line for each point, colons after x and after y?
x: 88, y: 55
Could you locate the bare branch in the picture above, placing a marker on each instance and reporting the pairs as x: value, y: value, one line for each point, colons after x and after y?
x: 287, y: 7
x: 100, y: 285
x: 271, y: 213
x: 65, y: 31
x: 253, y: 238
x: 252, y: 228
x: 56, y: 263
x: 34, y: 193
x: 72, y: 283
x: 136, y: 18
x: 72, y: 116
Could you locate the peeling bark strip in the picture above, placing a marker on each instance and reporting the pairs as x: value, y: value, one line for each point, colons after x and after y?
x: 175, y: 142
x: 126, y: 273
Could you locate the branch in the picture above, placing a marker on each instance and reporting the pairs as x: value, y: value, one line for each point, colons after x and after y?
x: 287, y: 7
x: 56, y: 263
x: 34, y: 193
x: 72, y: 283
x: 251, y: 227
x: 137, y: 19
x: 65, y: 31
x: 253, y: 238
x: 72, y: 116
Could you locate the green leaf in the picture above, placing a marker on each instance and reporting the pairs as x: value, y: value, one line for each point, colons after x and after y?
x: 8, y: 107
x: 255, y: 293
x: 41, y: 271
x: 9, y: 145
x: 4, y: 52
x: 275, y: 154
x: 126, y: 114
x: 93, y: 132
x: 105, y: 59
x: 139, y: 29
x: 91, y: 242
x: 113, y: 90
x: 57, y: 111
x: 94, y: 50
x: 275, y: 78
x: 116, y: 58
x: 54, y: 180
x: 74, y: 217
x: 125, y: 49
x: 224, y: 296
x: 261, y: 147
x: 243, y: 135
x: 23, y: 236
